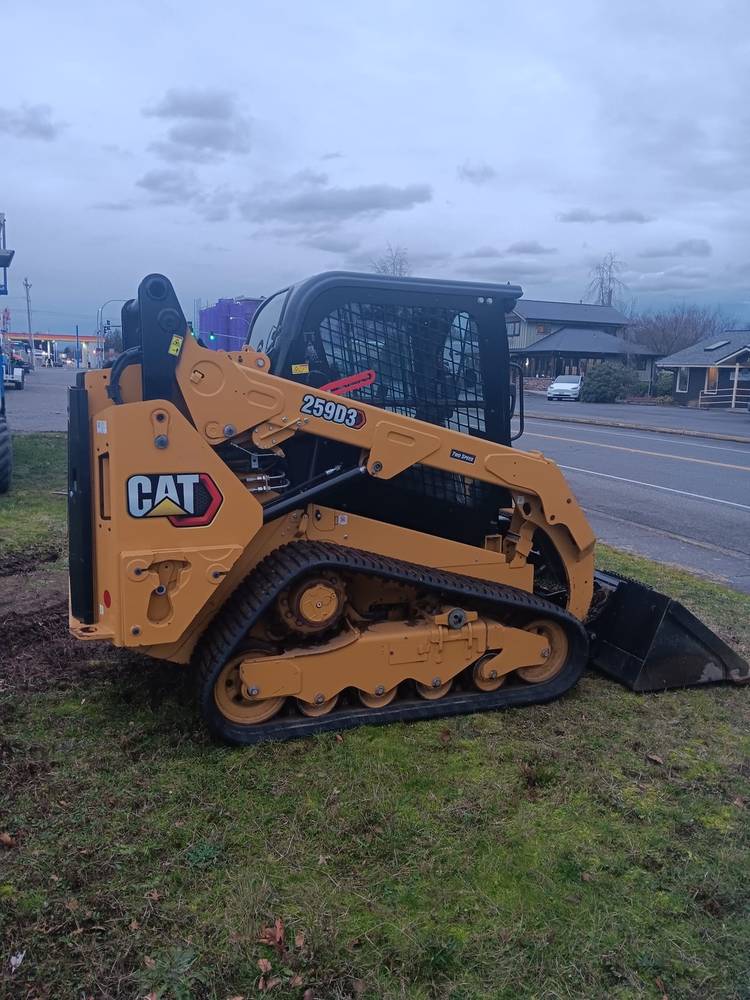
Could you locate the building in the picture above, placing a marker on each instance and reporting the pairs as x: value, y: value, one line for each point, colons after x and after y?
x: 568, y: 338
x: 533, y: 319
x: 224, y: 325
x: 715, y: 372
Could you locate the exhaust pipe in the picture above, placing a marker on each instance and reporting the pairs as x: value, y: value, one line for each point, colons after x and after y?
x: 648, y: 642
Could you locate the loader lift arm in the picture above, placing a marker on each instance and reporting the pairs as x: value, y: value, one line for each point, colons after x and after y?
x: 227, y: 395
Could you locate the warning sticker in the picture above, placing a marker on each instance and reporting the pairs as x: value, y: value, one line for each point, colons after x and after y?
x: 175, y: 345
x: 303, y: 369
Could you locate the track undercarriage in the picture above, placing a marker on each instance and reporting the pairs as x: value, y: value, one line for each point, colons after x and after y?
x: 323, y: 637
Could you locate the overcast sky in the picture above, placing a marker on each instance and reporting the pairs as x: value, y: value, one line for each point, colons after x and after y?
x: 237, y: 146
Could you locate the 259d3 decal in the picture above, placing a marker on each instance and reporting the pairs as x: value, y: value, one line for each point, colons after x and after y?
x: 327, y: 409
x: 186, y: 499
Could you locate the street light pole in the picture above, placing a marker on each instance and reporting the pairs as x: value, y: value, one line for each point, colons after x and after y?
x: 27, y: 286
x: 99, y: 318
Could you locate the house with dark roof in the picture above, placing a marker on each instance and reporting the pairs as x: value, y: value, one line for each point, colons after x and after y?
x: 568, y: 338
x: 533, y: 319
x: 715, y: 372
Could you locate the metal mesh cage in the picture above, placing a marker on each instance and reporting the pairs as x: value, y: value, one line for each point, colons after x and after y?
x: 427, y: 365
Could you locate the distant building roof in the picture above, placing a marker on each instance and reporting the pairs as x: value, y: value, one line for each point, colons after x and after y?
x: 586, y: 342
x: 570, y: 312
x: 710, y: 351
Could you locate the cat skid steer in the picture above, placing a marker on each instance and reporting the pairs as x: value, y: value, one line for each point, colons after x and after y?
x: 331, y: 526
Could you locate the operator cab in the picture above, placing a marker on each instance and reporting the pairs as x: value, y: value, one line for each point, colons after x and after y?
x: 425, y: 348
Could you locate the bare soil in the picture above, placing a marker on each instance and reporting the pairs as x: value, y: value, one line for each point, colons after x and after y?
x: 38, y: 653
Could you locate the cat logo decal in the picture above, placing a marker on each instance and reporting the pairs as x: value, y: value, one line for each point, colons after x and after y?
x: 186, y: 499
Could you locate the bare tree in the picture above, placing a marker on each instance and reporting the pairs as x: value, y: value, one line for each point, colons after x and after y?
x: 606, y: 283
x: 394, y: 261
x: 677, y: 327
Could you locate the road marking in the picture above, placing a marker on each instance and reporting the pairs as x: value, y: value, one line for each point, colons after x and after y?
x: 640, y: 451
x: 655, y: 486
x: 657, y: 437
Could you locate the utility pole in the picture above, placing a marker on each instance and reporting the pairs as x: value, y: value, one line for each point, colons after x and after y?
x: 78, y: 357
x: 27, y: 286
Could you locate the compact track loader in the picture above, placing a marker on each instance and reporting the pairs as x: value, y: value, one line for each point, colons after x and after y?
x: 330, y: 524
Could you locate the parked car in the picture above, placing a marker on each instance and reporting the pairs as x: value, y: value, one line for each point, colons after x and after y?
x: 565, y: 387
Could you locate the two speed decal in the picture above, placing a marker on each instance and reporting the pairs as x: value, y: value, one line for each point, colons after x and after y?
x: 327, y: 409
x: 463, y: 456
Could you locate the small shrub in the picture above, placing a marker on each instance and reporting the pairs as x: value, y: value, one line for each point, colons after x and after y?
x: 640, y: 388
x: 663, y: 384
x: 606, y: 383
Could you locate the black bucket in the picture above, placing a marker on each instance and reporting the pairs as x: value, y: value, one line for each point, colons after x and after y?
x: 649, y: 642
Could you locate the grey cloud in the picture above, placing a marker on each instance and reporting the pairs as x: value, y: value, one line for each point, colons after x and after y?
x: 332, y: 156
x: 198, y: 140
x: 510, y: 270
x: 315, y: 177
x: 207, y: 124
x: 685, y: 248
x: 522, y: 247
x: 476, y: 173
x: 194, y: 103
x: 483, y: 251
x: 530, y: 247
x: 170, y: 187
x: 113, y: 206
x: 520, y: 268
x: 215, y: 206
x: 717, y: 146
x: 334, y: 204
x: 332, y: 244
x: 679, y: 278
x: 429, y: 258
x: 30, y: 121
x: 586, y: 215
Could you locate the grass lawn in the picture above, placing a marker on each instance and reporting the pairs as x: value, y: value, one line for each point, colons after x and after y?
x: 596, y: 847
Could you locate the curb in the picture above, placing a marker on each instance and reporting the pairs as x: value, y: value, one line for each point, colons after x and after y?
x: 738, y: 439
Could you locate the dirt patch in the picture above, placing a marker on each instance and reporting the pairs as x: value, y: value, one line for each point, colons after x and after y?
x: 18, y: 563
x: 39, y: 653
x: 29, y: 595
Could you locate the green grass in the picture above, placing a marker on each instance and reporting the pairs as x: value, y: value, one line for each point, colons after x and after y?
x: 596, y: 847
x: 31, y: 514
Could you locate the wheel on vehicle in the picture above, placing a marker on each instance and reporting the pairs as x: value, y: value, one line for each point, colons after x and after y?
x: 6, y: 456
x: 20, y: 384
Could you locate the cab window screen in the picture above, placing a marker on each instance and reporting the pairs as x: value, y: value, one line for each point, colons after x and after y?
x: 426, y: 360
x: 427, y: 365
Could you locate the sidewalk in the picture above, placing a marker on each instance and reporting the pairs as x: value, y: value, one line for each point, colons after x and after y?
x: 725, y: 425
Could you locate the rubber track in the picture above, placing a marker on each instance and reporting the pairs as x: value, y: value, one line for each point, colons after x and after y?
x: 258, y: 592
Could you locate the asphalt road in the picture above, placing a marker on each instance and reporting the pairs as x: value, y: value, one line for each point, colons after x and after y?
x: 43, y: 404
x: 684, y: 501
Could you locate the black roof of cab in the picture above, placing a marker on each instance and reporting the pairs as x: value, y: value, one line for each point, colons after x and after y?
x: 302, y: 294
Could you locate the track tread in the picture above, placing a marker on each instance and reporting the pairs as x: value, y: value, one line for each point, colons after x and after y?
x: 279, y: 569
